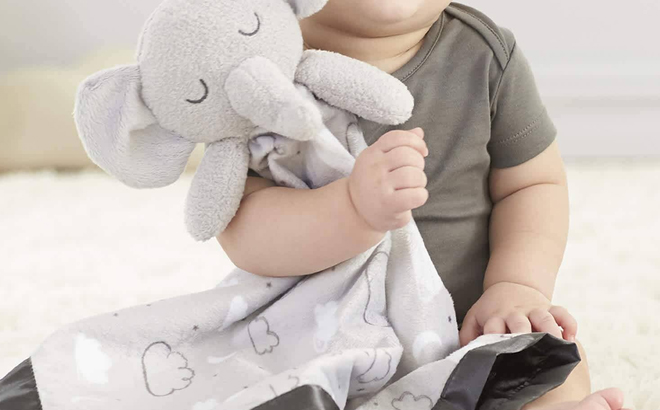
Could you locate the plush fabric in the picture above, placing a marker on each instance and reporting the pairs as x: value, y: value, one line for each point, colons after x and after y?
x: 211, y: 70
x: 136, y: 148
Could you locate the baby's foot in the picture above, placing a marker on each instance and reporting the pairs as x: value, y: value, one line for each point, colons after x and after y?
x: 608, y: 399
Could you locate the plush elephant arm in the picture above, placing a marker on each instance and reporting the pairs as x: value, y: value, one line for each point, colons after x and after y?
x: 260, y: 92
x: 355, y: 86
x: 217, y: 188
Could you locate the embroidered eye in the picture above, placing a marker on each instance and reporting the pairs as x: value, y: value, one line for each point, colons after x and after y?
x: 255, y: 31
x: 206, y: 94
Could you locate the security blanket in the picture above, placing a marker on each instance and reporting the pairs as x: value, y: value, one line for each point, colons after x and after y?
x: 377, y: 331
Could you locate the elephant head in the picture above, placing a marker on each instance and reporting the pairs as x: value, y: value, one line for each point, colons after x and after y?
x: 141, y: 122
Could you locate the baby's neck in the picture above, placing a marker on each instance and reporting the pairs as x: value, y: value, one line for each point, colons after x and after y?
x: 387, y: 53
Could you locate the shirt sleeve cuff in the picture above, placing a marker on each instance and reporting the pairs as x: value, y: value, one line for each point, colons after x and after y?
x: 525, y: 145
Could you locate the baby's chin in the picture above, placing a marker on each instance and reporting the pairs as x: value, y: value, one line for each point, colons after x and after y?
x: 379, y: 17
x: 387, y: 11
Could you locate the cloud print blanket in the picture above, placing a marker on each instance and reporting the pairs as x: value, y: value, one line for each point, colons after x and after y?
x: 377, y: 331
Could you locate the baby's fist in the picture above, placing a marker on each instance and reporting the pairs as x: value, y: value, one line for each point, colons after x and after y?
x: 388, y: 180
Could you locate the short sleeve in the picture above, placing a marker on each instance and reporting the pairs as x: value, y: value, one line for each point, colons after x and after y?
x: 521, y: 127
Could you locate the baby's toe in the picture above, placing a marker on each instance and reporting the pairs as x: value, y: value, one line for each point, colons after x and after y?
x: 608, y: 399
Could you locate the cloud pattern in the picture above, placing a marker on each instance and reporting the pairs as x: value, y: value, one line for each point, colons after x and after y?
x: 92, y: 363
x: 263, y: 339
x: 165, y: 371
x: 238, y: 309
x: 409, y: 401
x: 327, y: 325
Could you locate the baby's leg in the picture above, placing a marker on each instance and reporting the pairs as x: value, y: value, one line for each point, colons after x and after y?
x: 574, y: 394
x: 608, y: 399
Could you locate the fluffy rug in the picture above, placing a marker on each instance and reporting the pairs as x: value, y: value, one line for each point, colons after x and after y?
x: 75, y: 245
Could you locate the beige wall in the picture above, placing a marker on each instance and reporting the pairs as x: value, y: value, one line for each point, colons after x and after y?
x: 593, y: 32
x: 59, y: 32
x: 597, y: 63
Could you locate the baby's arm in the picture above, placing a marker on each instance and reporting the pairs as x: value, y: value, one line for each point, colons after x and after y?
x: 529, y: 223
x: 528, y: 233
x: 281, y: 231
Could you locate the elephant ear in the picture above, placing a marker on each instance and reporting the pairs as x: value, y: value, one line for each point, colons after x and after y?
x: 121, y: 134
x: 306, y: 8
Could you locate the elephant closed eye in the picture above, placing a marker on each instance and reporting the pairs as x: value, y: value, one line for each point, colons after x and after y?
x: 255, y: 31
x: 206, y: 94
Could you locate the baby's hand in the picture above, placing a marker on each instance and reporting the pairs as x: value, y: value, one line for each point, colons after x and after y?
x: 512, y: 308
x: 388, y: 179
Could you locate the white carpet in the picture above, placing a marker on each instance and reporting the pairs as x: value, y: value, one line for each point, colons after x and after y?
x: 76, y: 245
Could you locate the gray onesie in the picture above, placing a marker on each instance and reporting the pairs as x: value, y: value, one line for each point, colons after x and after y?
x: 476, y: 99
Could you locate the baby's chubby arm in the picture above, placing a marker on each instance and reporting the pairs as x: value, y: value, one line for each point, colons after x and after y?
x: 280, y: 231
x: 528, y: 233
x: 529, y: 225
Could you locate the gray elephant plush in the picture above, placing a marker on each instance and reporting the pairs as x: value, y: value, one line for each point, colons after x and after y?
x: 220, y: 72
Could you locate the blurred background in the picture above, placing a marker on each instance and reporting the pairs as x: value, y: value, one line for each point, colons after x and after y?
x: 77, y: 243
x: 597, y: 65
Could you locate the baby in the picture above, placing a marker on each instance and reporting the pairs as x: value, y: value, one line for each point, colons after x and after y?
x: 480, y: 172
